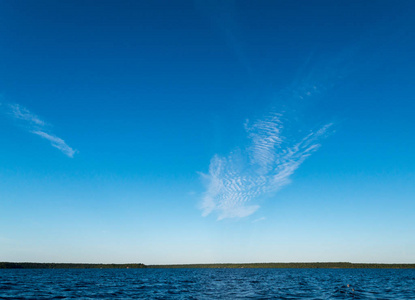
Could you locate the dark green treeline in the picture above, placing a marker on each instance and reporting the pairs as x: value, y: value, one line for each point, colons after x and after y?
x: 28, y: 265
x: 328, y: 265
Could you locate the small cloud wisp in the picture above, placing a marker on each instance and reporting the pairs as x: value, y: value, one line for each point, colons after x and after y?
x: 56, y: 142
x: 37, y: 126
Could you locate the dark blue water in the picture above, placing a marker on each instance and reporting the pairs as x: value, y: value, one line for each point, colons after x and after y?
x: 207, y: 284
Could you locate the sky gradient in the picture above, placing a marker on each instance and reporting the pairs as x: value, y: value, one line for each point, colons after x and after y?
x: 163, y: 132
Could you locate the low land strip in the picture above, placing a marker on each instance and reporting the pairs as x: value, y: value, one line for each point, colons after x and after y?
x: 322, y: 265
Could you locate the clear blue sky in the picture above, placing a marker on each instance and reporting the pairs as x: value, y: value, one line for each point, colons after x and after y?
x: 207, y: 131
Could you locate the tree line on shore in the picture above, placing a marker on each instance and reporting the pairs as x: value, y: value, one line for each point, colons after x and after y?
x: 313, y: 265
x: 322, y: 265
x: 30, y: 265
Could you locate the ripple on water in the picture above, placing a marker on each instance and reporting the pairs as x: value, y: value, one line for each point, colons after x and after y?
x: 208, y: 284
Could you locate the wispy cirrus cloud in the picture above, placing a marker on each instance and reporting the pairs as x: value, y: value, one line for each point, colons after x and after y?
x: 275, y: 149
x: 263, y: 167
x: 259, y: 220
x: 56, y: 142
x: 22, y: 113
x: 37, y: 126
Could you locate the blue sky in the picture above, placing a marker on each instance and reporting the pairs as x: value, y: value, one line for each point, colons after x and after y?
x: 207, y: 131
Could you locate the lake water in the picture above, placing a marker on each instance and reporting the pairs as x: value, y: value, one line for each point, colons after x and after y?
x: 208, y: 284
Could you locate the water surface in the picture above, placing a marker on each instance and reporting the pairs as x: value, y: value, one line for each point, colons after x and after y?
x: 207, y: 284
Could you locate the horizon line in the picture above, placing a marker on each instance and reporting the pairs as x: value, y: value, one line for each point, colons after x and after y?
x: 339, y: 264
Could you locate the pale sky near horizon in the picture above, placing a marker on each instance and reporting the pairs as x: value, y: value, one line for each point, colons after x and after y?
x: 164, y: 132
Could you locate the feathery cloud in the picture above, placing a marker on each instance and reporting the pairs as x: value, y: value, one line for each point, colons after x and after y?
x: 274, y: 150
x: 56, y: 142
x: 263, y: 167
x: 259, y: 220
x: 37, y: 126
x: 22, y: 113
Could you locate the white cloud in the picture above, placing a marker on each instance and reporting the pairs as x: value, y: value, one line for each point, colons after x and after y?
x: 259, y: 220
x: 37, y: 126
x: 265, y: 166
x: 275, y: 150
x: 22, y: 113
x: 57, y: 143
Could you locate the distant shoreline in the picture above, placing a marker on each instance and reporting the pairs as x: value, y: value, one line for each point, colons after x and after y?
x: 317, y: 265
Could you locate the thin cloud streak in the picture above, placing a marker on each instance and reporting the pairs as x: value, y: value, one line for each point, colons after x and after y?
x: 22, y: 113
x: 38, y: 127
x: 259, y: 220
x: 57, y: 143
